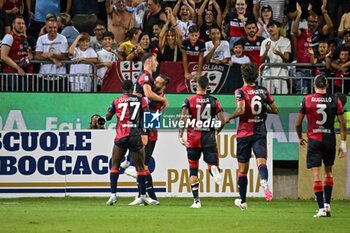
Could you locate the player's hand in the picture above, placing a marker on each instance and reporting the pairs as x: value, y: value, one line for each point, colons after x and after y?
x: 341, y: 154
x: 183, y: 142
x: 342, y: 149
x: 165, y: 104
x: 302, y: 142
x: 144, y: 139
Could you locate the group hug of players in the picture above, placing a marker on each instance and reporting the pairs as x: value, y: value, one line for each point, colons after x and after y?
x: 253, y: 104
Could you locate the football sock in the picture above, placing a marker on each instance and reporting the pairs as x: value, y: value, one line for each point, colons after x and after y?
x: 195, y: 189
x: 149, y: 187
x: 113, y: 177
x: 318, y: 189
x: 242, y: 186
x: 263, y: 172
x: 141, y: 180
x: 328, y: 187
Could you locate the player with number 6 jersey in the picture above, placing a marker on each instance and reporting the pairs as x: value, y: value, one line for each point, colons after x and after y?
x: 321, y: 109
x: 253, y: 104
x: 198, y: 109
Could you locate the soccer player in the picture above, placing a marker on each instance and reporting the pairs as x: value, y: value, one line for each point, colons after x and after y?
x: 128, y: 109
x: 320, y: 109
x: 201, y: 107
x: 160, y: 83
x: 253, y: 104
x: 145, y: 81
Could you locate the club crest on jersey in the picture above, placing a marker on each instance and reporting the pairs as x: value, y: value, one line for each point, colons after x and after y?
x: 129, y: 70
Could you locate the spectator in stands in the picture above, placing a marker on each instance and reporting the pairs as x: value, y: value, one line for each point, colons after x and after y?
x: 170, y: 40
x: 138, y: 9
x: 119, y: 20
x: 320, y: 58
x: 106, y: 56
x: 307, y: 38
x: 153, y: 16
x: 13, y: 8
x: 52, y: 47
x: 209, y: 19
x: 156, y: 30
x: 5, y: 26
x: 186, y: 18
x: 275, y: 49
x: 143, y: 46
x: 96, y: 40
x: 216, y: 51
x: 64, y: 23
x: 48, y: 17
x: 238, y: 57
x: 264, y: 19
x: 344, y: 24
x: 16, y: 54
x: 84, y: 14
x: 81, y: 74
x: 128, y: 46
x: 193, y: 50
x: 337, y: 8
x: 236, y: 20
x: 346, y: 43
x: 252, y: 42
x: 42, y: 8
x: 342, y: 65
x: 277, y: 7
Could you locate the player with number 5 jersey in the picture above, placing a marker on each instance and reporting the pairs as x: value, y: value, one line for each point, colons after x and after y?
x: 253, y: 104
x: 320, y: 110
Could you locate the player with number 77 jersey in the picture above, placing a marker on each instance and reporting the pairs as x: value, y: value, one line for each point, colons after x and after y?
x: 253, y: 104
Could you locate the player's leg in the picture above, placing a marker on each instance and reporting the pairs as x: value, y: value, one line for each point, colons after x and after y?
x: 244, y: 148
x: 260, y: 151
x: 193, y: 155
x: 328, y: 161
x: 314, y: 161
x: 117, y: 155
x: 149, y: 181
x: 211, y: 158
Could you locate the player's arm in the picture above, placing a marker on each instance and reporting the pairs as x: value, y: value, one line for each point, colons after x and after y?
x: 272, y: 108
x: 153, y: 96
x: 342, y: 148
x: 240, y: 110
x: 183, y: 118
x: 298, y: 128
x: 221, y: 118
x: 111, y: 111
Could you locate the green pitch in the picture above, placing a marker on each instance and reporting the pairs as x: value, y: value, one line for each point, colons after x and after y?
x: 217, y: 215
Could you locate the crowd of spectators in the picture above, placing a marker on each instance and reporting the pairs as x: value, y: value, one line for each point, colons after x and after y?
x: 216, y: 31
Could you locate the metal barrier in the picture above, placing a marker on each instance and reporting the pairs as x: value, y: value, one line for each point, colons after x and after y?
x: 55, y: 82
x: 292, y: 68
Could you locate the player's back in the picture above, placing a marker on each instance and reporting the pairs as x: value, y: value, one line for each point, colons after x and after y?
x: 202, y: 108
x: 256, y: 99
x: 128, y: 110
x: 320, y: 111
x: 144, y: 78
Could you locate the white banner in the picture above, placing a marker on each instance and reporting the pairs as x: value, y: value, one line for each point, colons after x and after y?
x: 76, y: 163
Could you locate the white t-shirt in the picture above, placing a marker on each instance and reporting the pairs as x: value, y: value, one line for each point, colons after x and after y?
x: 104, y: 56
x: 57, y: 46
x: 283, y: 44
x: 221, y: 52
x: 240, y: 60
x: 184, y: 26
x: 82, y: 68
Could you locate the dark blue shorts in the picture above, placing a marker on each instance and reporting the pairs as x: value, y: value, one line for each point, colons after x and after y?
x: 210, y: 154
x: 132, y: 143
x: 318, y: 151
x: 246, y: 144
x: 149, y: 151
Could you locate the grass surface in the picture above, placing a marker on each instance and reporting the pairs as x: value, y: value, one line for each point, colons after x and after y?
x: 173, y: 215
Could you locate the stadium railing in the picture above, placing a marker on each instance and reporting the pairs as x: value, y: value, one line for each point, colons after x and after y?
x: 292, y: 78
x: 54, y: 82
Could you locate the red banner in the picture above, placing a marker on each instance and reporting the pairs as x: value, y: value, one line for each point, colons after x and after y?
x: 222, y: 78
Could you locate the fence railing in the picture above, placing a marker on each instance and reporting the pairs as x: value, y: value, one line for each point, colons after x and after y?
x: 296, y: 81
x: 50, y: 82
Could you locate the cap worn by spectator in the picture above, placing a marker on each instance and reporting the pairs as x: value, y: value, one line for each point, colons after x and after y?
x: 51, y: 17
x: 266, y: 7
